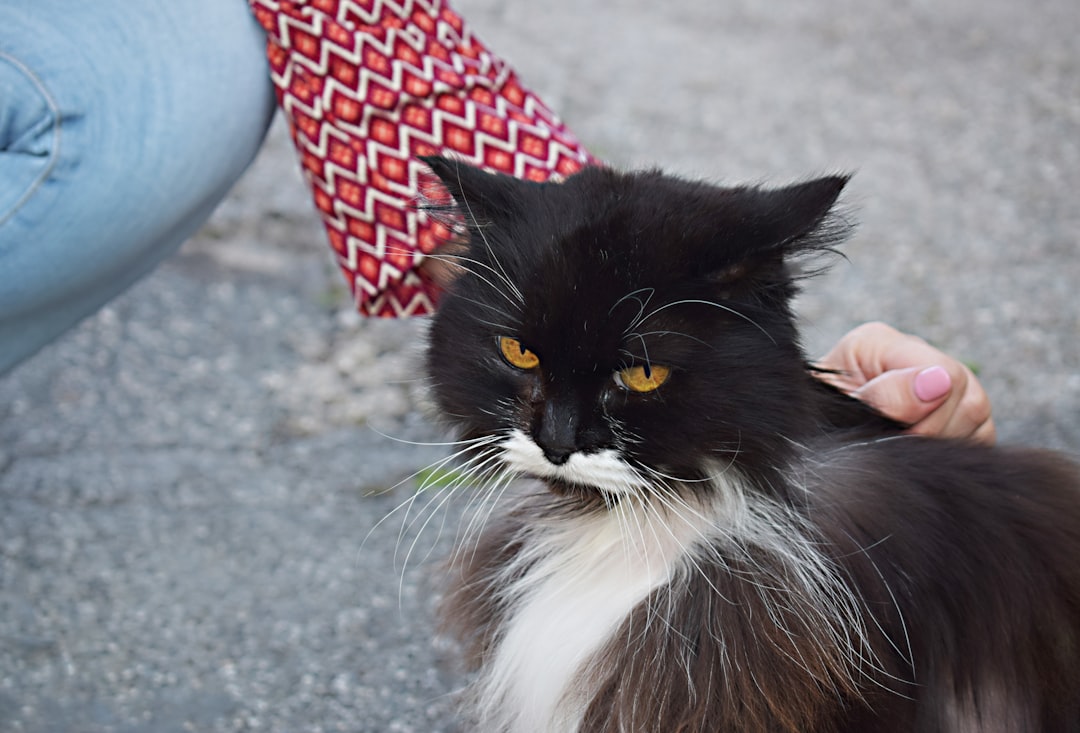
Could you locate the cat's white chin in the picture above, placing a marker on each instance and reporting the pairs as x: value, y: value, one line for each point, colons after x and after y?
x: 602, y: 470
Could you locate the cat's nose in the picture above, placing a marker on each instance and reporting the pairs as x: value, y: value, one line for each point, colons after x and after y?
x: 557, y: 454
x: 556, y: 429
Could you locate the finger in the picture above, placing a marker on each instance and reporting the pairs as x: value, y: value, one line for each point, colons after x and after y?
x: 873, y: 348
x: 986, y: 433
x: 908, y: 395
x: 964, y: 413
x: 967, y: 413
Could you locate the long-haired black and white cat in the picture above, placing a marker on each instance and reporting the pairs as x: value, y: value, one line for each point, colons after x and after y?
x: 714, y: 541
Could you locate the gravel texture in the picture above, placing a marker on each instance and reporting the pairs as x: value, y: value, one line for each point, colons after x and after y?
x: 198, y: 485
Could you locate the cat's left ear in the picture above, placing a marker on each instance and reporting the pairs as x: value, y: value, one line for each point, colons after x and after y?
x: 768, y: 228
x: 794, y: 218
x: 480, y: 197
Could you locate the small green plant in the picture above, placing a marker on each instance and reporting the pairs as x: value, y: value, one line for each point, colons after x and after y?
x: 439, y: 478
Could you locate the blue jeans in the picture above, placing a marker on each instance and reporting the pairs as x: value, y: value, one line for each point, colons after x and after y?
x: 123, y: 123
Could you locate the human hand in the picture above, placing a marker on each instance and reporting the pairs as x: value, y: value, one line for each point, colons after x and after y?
x: 910, y: 381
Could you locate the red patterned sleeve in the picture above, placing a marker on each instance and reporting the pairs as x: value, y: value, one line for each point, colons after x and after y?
x: 369, y: 85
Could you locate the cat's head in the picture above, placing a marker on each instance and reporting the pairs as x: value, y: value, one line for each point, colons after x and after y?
x: 617, y: 329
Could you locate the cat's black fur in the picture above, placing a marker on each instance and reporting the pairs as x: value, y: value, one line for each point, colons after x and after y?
x: 963, y: 561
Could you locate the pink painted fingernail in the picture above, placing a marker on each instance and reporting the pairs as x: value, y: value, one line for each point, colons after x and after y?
x: 932, y: 383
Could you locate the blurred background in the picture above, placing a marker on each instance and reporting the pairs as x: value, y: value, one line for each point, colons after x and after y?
x: 192, y: 481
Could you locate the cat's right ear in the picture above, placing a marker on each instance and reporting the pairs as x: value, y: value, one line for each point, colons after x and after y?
x: 479, y: 196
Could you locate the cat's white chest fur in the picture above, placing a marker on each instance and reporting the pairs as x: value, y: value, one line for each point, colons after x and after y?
x: 588, y: 576
x: 585, y: 575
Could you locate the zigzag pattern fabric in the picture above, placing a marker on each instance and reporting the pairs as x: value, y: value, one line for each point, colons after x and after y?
x: 370, y: 85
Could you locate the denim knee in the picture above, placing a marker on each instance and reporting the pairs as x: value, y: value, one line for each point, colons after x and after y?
x: 122, y: 126
x: 29, y: 130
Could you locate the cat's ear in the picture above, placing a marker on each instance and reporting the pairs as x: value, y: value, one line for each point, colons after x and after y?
x: 768, y: 228
x: 771, y: 233
x: 794, y: 218
x: 480, y: 197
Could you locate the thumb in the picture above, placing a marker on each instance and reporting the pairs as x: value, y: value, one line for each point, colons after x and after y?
x: 907, y: 395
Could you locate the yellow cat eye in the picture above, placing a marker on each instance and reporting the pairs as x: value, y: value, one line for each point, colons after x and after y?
x: 517, y: 355
x: 645, y: 378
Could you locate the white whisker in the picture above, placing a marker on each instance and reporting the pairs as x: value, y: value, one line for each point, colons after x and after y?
x: 500, y: 272
x: 712, y: 304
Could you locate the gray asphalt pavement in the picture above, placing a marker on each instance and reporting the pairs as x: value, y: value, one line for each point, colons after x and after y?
x: 192, y: 482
